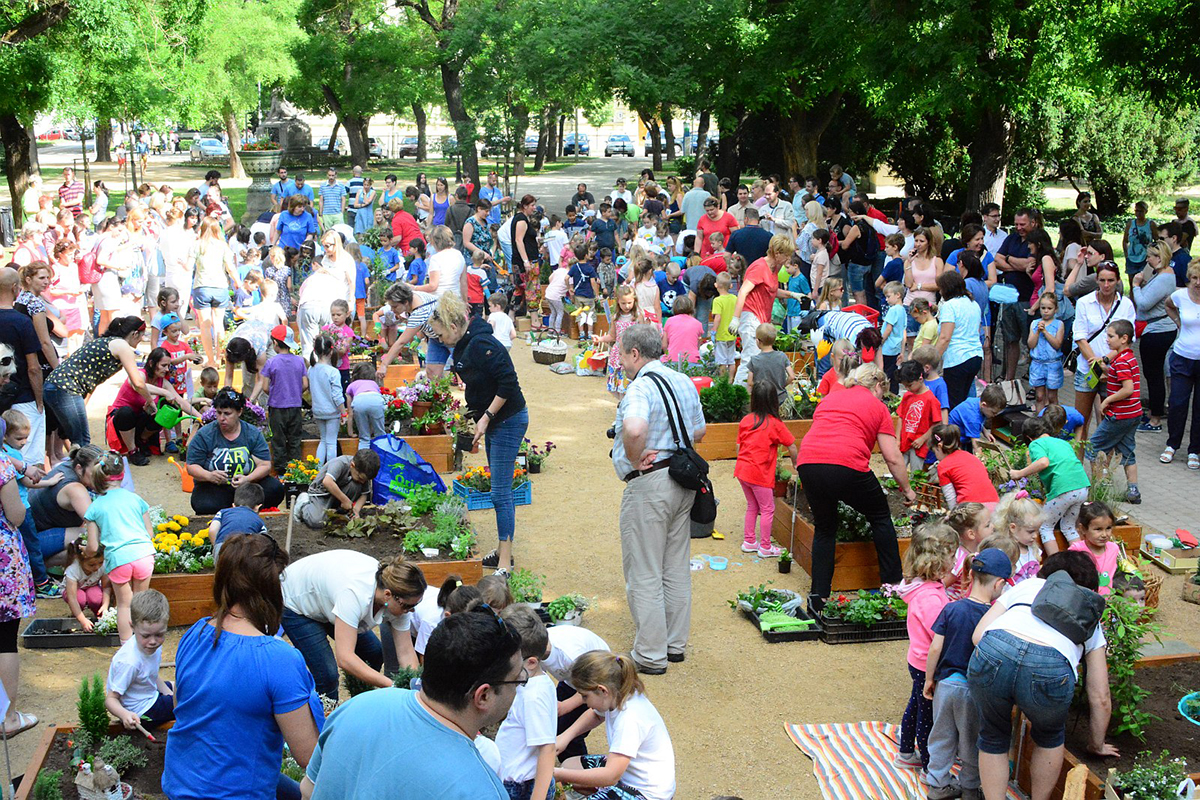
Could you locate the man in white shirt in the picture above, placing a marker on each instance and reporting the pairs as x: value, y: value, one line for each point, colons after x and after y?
x: 776, y: 215
x: 692, y: 204
x: 739, y: 210
x: 621, y: 192
x: 993, y: 234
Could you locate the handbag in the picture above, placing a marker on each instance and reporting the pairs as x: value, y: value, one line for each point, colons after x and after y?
x: 1139, y: 326
x: 1069, y: 609
x: 686, y: 467
x: 1072, y: 358
x: 1015, y: 392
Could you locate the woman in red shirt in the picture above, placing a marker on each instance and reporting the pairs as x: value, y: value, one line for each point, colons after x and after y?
x: 132, y: 415
x: 756, y: 296
x: 835, y: 466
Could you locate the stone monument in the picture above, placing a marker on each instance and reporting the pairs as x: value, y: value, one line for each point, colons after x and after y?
x: 283, y: 126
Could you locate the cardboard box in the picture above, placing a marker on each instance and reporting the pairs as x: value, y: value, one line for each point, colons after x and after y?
x: 1174, y: 560
x: 523, y: 324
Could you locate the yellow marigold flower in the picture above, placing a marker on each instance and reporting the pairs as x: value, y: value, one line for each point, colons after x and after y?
x: 187, y: 537
x: 174, y: 527
x: 181, y: 519
x: 162, y: 526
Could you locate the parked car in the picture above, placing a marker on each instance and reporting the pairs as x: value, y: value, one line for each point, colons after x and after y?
x: 585, y: 147
x: 52, y: 135
x: 339, y: 147
x: 531, y: 144
x: 374, y: 147
x: 209, y: 148
x: 689, y: 142
x: 618, y: 144
x: 407, y: 147
x: 649, y: 142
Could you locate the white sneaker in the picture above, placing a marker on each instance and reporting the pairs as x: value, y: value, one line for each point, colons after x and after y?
x: 297, y: 504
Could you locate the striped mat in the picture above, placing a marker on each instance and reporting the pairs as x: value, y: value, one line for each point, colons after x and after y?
x: 853, y: 761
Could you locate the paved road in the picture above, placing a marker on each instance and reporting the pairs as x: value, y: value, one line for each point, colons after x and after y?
x: 554, y: 190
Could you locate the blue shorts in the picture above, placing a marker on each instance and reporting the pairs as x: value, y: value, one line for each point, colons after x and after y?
x: 524, y: 790
x: 855, y: 274
x: 208, y: 297
x: 1115, y: 434
x: 438, y: 353
x: 1046, y: 373
x: 912, y: 327
x: 1007, y: 671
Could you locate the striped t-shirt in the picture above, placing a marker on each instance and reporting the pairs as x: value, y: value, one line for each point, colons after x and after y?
x: 331, y: 197
x: 1124, y: 367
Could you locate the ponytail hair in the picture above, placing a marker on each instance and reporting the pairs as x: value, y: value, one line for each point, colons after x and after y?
x: 108, y: 467
x: 322, y: 348
x: 965, y: 517
x: 401, y: 578
x: 451, y: 583
x: 947, y: 437
x: 614, y: 671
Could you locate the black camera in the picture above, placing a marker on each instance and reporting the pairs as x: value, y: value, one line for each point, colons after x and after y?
x: 611, y: 432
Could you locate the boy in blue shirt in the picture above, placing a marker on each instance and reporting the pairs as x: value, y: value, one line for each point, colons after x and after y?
x: 796, y: 287
x: 575, y: 223
x: 971, y: 415
x: 605, y: 228
x: 955, y: 718
x: 1064, y: 420
x: 362, y: 282
x: 669, y: 287
x: 893, y: 269
x: 895, y: 323
x: 927, y: 356
x: 242, y: 517
x: 583, y: 284
x: 391, y: 259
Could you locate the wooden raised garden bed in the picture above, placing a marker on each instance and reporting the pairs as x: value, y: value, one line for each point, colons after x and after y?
x: 1171, y: 733
x: 53, y: 752
x: 191, y: 594
x: 856, y: 566
x: 720, y: 438
x: 437, y: 450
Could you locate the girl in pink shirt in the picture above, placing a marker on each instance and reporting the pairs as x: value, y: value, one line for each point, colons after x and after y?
x: 682, y: 332
x: 1096, y: 520
x: 927, y: 566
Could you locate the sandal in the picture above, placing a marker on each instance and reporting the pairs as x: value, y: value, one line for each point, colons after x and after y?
x: 26, y: 721
x: 1193, y: 461
x: 1168, y: 455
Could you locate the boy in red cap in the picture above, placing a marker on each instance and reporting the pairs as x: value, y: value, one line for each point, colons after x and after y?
x: 285, y: 377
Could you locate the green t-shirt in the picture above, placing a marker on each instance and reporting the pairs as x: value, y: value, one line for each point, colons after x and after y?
x: 1065, y: 473
x: 724, y: 304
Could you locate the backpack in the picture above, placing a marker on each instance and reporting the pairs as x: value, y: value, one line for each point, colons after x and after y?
x: 863, y: 249
x: 1069, y: 609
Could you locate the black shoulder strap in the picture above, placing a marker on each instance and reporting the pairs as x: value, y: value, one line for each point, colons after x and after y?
x: 680, y: 431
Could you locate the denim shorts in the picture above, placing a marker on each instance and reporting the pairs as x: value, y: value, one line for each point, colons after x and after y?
x: 1013, y: 322
x: 437, y: 353
x: 1046, y: 373
x: 855, y: 273
x: 1005, y: 671
x: 618, y: 792
x: 209, y: 297
x: 1115, y: 434
x: 524, y: 789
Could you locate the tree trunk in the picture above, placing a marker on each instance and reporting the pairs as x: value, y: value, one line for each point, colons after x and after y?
x: 539, y: 159
x: 18, y: 166
x: 552, y: 138
x: 356, y: 135
x: 235, y: 137
x: 655, y: 140
x: 990, y: 151
x: 87, y: 170
x: 669, y: 132
x: 702, y: 134
x: 464, y: 128
x: 801, y: 132
x: 561, y: 127
x: 103, y: 140
x: 422, y: 121
x: 729, y: 154
x: 516, y: 142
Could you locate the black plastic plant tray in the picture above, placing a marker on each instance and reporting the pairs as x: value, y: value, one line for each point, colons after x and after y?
x: 835, y: 631
x: 811, y: 635
x: 64, y: 632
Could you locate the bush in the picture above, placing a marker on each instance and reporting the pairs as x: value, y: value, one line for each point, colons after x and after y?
x: 93, y: 716
x: 724, y: 401
x: 48, y: 786
x: 121, y: 753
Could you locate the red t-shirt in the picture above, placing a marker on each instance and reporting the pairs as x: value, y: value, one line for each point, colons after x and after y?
x: 1124, y: 367
x: 724, y: 225
x: 716, y: 263
x: 757, y: 449
x: 762, y: 296
x: 968, y: 476
x: 405, y: 226
x: 875, y: 213
x: 918, y: 413
x: 177, y: 375
x: 829, y: 383
x: 845, y: 428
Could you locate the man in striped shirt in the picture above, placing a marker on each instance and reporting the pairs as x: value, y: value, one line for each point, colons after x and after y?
x: 70, y: 194
x: 332, y: 198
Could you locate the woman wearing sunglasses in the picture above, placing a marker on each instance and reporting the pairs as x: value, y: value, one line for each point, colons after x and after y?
x: 226, y: 453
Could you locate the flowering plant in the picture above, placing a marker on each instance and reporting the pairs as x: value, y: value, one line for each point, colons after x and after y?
x: 447, y: 416
x: 301, y: 470
x: 480, y: 478
x: 867, y: 608
x: 362, y: 347
x: 252, y: 414
x: 177, y: 550
x: 536, y: 456
x: 260, y: 145
x: 341, y: 340
x: 395, y: 409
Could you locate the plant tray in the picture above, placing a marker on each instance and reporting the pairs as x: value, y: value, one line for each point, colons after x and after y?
x: 63, y: 632
x: 810, y: 635
x: 835, y: 631
x: 477, y: 500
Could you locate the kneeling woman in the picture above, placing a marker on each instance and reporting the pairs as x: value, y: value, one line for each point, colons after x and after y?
x: 345, y: 594
x: 226, y: 453
x: 132, y: 414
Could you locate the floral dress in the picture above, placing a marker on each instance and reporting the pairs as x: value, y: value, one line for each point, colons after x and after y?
x: 17, y: 597
x: 616, y: 373
x: 280, y: 275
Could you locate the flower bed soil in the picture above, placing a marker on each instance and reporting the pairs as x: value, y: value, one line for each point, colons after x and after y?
x: 146, y: 781
x: 1172, y: 732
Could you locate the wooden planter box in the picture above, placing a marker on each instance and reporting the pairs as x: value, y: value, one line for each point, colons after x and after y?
x: 400, y: 374
x: 800, y: 361
x: 1094, y: 787
x: 720, y: 438
x: 856, y: 565
x: 437, y: 450
x: 42, y: 751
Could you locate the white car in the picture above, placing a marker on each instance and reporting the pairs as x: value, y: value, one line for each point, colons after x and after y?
x: 618, y: 144
x: 209, y: 148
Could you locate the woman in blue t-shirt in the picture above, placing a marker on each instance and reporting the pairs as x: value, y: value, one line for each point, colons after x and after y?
x: 240, y: 692
x: 296, y: 226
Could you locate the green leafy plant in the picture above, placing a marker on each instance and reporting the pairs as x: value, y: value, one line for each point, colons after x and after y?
x: 48, y: 786
x: 355, y: 685
x: 866, y: 608
x: 852, y: 526
x: 122, y: 753
x: 761, y: 598
x: 93, y: 716
x: 785, y: 557
x: 526, y: 586
x: 389, y: 519
x: 403, y: 677
x: 1126, y: 624
x: 423, y: 498
x: 1191, y: 708
x: 724, y: 401
x: 1153, y: 777
x: 561, y: 607
x: 462, y: 545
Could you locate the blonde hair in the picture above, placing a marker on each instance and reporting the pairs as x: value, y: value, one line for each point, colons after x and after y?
x: 766, y: 333
x: 781, y: 246
x: 926, y: 355
x: 815, y: 213
x: 450, y: 311
x: 895, y: 287
x: 625, y: 290
x: 149, y: 606
x: 15, y: 421
x: 831, y: 292
x: 1005, y: 543
x: 1020, y: 511
x: 931, y: 552
x: 277, y: 257
x: 868, y: 376
x: 614, y: 671
x: 268, y: 288
x: 495, y: 591
x: 966, y: 517
x: 108, y: 467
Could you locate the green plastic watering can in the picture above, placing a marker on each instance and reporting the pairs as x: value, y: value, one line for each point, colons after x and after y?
x: 168, y: 416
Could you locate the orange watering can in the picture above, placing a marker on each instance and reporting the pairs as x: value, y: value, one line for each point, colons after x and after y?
x: 184, y: 478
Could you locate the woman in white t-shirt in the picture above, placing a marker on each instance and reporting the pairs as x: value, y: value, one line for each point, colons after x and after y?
x: 345, y: 594
x: 1183, y: 307
x: 1020, y: 660
x: 1093, y: 314
x: 214, y: 271
x: 339, y: 263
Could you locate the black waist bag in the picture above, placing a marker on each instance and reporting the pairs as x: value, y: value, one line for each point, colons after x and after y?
x: 686, y: 467
x: 1069, y: 609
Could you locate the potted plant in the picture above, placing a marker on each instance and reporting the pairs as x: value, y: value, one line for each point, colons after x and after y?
x: 475, y: 486
x: 260, y: 159
x: 1151, y: 777
x: 535, y: 456
x: 724, y: 401
x: 526, y: 587
x: 785, y: 562
x: 782, y: 479
x: 568, y: 609
x: 301, y: 471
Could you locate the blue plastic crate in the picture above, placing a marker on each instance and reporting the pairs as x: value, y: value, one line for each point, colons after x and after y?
x: 477, y: 500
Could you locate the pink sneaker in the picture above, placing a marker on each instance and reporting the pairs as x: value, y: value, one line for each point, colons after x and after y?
x: 750, y: 547
x: 770, y: 551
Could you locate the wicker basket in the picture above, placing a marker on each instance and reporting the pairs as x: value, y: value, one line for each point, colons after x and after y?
x: 546, y: 356
x: 1153, y: 583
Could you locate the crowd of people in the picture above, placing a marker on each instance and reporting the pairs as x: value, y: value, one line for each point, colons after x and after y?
x: 674, y: 273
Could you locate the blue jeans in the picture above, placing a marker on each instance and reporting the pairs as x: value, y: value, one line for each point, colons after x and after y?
x: 33, y: 545
x: 72, y: 413
x: 1185, y: 392
x: 857, y: 273
x: 1006, y: 671
x: 368, y: 417
x: 437, y: 353
x: 502, y: 441
x: 311, y: 638
x: 1115, y: 434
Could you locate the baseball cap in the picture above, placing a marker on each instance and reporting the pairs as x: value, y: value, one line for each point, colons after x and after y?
x: 282, y: 333
x: 992, y: 561
x: 167, y: 320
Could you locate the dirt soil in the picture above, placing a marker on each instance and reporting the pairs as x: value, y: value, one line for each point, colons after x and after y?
x: 1173, y: 733
x: 145, y: 780
x: 725, y: 706
x: 799, y: 501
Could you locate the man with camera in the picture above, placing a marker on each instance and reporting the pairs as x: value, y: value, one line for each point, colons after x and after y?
x: 655, y: 510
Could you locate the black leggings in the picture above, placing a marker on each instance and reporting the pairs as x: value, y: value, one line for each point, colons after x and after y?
x: 826, y: 484
x: 128, y: 418
x: 8, y: 635
x: 958, y: 379
x: 1155, y: 347
x: 209, y: 498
